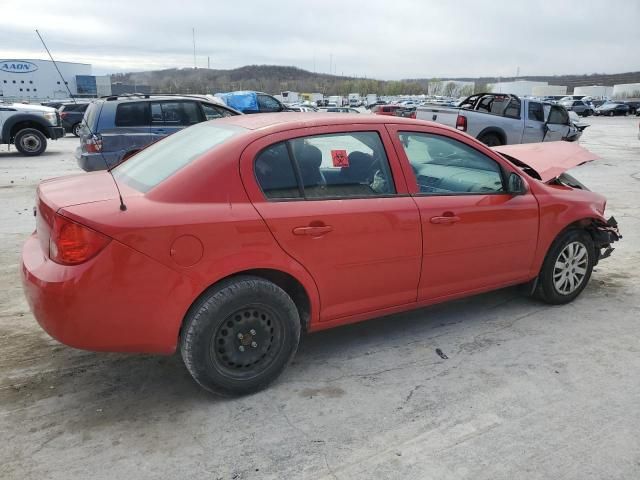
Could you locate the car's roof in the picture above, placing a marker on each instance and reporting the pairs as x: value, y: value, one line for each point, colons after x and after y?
x: 152, y: 97
x: 292, y: 120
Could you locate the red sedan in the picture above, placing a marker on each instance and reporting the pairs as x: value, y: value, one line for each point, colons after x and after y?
x: 230, y: 238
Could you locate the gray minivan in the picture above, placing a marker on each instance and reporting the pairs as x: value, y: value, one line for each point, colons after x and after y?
x: 116, y: 127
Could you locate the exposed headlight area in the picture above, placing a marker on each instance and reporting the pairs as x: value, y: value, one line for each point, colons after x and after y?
x: 51, y: 117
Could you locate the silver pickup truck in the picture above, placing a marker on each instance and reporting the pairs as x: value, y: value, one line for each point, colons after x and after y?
x: 502, y: 119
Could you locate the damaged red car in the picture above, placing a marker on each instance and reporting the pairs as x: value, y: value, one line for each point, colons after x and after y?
x: 229, y: 239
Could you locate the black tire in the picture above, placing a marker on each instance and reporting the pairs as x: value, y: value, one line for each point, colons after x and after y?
x: 243, y: 319
x: 76, y: 129
x: 30, y: 142
x: 547, y: 289
x: 490, y: 140
x: 611, y: 114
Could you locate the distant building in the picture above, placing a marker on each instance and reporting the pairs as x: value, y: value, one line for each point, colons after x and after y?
x: 521, y: 88
x: 626, y: 90
x: 594, y: 91
x: 547, y: 90
x: 38, y: 80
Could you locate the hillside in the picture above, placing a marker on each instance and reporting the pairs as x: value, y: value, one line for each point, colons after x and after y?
x: 274, y: 79
x: 265, y: 78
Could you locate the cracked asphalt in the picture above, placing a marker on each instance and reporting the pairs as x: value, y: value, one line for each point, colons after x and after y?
x: 527, y: 391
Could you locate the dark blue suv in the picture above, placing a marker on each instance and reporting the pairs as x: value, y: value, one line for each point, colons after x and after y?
x: 117, y: 127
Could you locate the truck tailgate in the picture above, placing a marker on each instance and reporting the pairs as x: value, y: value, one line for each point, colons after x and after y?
x: 442, y: 115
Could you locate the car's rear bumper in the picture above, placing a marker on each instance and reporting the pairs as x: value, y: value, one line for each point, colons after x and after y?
x: 95, y: 306
x: 91, y: 162
x: 55, y: 132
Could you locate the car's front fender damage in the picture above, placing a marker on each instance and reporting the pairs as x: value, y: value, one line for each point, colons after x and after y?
x: 604, y: 234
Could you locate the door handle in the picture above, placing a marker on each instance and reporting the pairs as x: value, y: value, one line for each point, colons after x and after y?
x: 445, y: 219
x: 313, y: 231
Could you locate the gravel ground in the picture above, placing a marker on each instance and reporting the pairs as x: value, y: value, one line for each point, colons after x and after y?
x: 527, y: 391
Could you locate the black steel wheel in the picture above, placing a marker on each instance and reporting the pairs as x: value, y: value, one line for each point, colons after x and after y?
x: 240, y: 335
x: 247, y: 341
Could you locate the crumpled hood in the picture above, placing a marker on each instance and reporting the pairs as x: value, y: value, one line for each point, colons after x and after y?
x: 548, y: 159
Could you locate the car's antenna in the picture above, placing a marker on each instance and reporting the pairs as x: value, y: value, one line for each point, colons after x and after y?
x: 123, y: 207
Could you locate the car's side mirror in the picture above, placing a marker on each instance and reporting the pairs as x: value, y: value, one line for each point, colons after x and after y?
x: 516, y: 185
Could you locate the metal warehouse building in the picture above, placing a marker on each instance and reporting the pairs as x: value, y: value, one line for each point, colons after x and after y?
x: 38, y: 80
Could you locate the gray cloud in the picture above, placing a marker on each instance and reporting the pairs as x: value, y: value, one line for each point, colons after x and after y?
x: 378, y: 38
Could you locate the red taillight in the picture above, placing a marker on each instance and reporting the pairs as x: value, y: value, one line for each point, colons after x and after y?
x: 93, y: 144
x: 461, y: 123
x: 64, y: 115
x: 71, y: 243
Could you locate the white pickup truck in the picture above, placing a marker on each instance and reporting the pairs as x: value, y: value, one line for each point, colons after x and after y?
x: 29, y: 126
x: 502, y: 119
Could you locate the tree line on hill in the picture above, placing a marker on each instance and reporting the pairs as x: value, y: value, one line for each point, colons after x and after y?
x: 276, y: 79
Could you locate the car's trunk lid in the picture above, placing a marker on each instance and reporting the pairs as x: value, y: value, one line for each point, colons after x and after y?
x: 548, y: 159
x: 58, y: 193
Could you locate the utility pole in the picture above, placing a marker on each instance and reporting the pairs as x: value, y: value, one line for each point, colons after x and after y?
x: 193, y: 32
x: 208, y: 63
x: 330, y: 64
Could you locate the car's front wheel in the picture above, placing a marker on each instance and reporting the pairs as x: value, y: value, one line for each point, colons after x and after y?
x: 76, y: 129
x: 567, y: 268
x: 240, y: 336
x: 30, y: 142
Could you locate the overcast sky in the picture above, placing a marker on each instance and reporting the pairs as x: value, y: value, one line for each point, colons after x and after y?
x: 385, y: 39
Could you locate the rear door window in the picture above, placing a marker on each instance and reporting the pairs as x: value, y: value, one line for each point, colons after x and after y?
x: 275, y: 173
x: 178, y: 114
x: 132, y: 114
x: 337, y: 165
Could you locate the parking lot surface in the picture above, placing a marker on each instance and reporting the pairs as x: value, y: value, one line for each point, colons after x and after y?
x: 525, y: 390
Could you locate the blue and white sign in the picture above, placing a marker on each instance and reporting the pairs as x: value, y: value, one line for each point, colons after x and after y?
x: 17, y: 66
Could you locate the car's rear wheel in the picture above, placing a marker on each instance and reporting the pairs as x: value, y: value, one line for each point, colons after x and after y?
x: 567, y: 268
x: 611, y: 114
x: 240, y: 336
x: 490, y: 139
x: 30, y: 142
x: 76, y: 129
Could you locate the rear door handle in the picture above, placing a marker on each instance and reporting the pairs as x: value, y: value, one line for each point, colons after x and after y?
x: 445, y: 220
x: 313, y: 231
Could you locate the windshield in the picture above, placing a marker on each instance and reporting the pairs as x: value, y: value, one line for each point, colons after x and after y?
x: 159, y: 161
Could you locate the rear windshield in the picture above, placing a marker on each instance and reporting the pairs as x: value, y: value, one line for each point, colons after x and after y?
x: 159, y: 161
x: 91, y: 114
